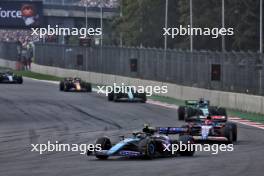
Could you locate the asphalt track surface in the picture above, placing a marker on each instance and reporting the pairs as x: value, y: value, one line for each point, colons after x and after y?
x: 36, y: 112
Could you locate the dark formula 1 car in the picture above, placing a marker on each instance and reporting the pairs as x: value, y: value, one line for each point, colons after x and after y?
x: 211, y: 128
x: 126, y: 93
x: 75, y: 85
x: 201, y: 107
x: 148, y: 143
x: 9, y: 77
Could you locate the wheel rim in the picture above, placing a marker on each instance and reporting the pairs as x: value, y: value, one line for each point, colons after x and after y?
x: 151, y: 149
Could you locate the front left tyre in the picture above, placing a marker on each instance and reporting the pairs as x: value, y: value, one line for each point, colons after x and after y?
x: 148, y: 148
x: 105, y: 145
x: 61, y: 86
x: 181, y: 113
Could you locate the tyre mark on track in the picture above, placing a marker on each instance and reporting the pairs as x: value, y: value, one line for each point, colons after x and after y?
x: 94, y: 117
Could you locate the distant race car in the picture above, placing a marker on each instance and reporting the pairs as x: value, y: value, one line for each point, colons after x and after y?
x: 200, y: 107
x: 75, y: 85
x: 211, y: 128
x: 129, y: 94
x: 11, y: 78
x: 148, y: 143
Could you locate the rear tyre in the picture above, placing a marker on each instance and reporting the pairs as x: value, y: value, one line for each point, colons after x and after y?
x: 213, y: 111
x: 234, y: 131
x: 143, y: 97
x: 20, y: 80
x: 105, y: 145
x: 191, y: 112
x: 228, y: 133
x: 111, y: 96
x: 186, y: 139
x: 222, y: 112
x: 181, y: 113
x: 88, y: 87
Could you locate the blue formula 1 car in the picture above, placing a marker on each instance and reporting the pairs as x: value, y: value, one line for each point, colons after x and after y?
x: 148, y: 143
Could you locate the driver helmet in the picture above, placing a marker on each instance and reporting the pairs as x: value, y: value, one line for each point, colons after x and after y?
x: 201, y: 102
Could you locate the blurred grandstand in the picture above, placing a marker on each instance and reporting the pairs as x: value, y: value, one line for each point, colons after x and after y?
x: 88, y: 3
x: 11, y: 35
x: 24, y: 36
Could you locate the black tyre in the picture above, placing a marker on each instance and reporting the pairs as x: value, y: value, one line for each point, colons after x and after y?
x: 115, y: 97
x: 151, y: 150
x: 181, y: 113
x: 169, y: 152
x: 191, y: 112
x: 234, y: 131
x: 143, y: 97
x: 1, y: 77
x: 228, y: 132
x: 21, y: 80
x: 66, y: 87
x: 88, y: 87
x: 105, y: 145
x: 61, y: 85
x: 222, y: 111
x: 213, y: 111
x: 111, y: 96
x: 148, y: 148
x: 186, y: 139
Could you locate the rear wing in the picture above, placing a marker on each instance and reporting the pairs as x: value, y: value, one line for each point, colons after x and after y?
x: 195, y: 102
x: 191, y: 102
x: 171, y: 130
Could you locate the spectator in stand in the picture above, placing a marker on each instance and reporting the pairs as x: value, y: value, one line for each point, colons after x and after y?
x: 14, y: 35
x: 24, y: 63
x: 97, y: 3
x: 29, y: 61
x: 30, y: 55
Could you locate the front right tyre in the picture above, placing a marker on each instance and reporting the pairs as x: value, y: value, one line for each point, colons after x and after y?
x: 148, y: 148
x: 230, y: 132
x: 186, y: 140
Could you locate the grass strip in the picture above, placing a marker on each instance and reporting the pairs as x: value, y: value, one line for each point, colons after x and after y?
x: 38, y: 76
